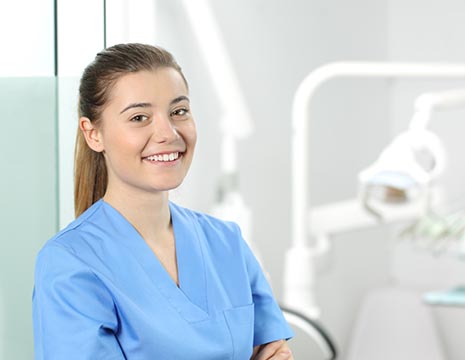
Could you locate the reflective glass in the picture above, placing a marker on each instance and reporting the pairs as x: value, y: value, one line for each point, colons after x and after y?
x: 28, y: 193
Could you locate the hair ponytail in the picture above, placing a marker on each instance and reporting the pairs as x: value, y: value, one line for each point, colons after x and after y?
x: 90, y: 175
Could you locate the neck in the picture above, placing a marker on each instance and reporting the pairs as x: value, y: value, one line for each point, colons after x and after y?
x: 148, y: 213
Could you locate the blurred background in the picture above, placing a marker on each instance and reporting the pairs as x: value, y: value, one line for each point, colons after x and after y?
x: 266, y: 48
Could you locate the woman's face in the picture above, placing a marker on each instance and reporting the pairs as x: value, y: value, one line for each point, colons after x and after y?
x: 147, y: 131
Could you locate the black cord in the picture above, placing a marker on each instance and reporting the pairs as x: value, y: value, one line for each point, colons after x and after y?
x: 317, y: 326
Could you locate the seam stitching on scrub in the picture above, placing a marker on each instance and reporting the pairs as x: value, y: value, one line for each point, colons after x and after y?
x: 77, y: 223
x: 73, y: 253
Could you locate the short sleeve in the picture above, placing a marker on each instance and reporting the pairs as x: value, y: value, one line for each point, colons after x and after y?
x: 270, y: 324
x: 74, y: 316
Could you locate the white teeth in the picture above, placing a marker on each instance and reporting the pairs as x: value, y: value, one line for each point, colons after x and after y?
x: 164, y: 157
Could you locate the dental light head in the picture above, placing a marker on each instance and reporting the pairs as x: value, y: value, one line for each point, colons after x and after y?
x: 410, y: 163
x: 404, y: 170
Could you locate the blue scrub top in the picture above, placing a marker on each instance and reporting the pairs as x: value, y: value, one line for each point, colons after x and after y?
x: 101, y: 293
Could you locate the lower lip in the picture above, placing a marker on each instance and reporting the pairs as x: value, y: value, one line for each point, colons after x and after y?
x: 164, y: 163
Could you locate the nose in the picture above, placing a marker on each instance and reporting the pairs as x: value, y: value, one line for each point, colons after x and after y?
x: 163, y: 130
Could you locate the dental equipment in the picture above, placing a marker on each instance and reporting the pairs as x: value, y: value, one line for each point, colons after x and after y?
x: 439, y: 233
x: 299, y: 272
x: 404, y: 171
x: 407, y: 167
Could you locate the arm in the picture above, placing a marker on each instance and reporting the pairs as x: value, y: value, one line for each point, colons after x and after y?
x: 270, y: 326
x: 73, y: 313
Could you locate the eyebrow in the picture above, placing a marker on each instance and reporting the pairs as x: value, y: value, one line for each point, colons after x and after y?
x: 145, y: 105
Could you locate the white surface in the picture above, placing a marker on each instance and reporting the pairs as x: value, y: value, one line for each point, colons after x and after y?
x: 393, y: 324
x: 451, y: 326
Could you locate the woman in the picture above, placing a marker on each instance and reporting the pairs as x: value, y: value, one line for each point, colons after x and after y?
x: 136, y: 276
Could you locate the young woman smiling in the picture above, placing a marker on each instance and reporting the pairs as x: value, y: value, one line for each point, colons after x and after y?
x: 136, y: 276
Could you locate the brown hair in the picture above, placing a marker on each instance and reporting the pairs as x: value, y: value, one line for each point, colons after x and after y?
x: 90, y: 172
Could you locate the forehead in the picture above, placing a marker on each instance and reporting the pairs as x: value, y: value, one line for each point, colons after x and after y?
x: 148, y: 85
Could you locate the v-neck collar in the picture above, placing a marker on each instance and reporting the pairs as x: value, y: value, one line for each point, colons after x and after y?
x: 190, y: 297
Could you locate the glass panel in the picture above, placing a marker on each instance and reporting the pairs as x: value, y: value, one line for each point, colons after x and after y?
x: 29, y: 147
x: 27, y: 162
x: 28, y: 193
x: 27, y: 28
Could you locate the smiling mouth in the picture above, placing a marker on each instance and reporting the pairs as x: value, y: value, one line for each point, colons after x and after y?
x: 164, y: 157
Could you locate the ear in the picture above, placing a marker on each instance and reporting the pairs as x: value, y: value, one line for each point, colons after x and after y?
x: 92, y: 134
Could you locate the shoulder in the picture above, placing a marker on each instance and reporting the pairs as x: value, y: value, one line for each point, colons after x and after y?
x: 68, y: 242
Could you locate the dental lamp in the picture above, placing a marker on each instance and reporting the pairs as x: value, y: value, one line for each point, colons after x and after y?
x: 424, y: 152
x: 408, y: 166
x: 299, y: 271
x: 404, y: 171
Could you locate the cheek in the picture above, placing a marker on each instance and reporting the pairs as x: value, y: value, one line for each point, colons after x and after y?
x: 194, y: 138
x: 191, y: 134
x: 122, y: 142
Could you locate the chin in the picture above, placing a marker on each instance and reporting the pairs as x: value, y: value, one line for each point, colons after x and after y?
x: 167, y: 186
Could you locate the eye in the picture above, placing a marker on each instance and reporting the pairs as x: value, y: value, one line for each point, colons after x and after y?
x: 139, y: 118
x: 180, y: 112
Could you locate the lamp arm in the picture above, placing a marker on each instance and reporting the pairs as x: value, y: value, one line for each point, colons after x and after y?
x: 427, y: 103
